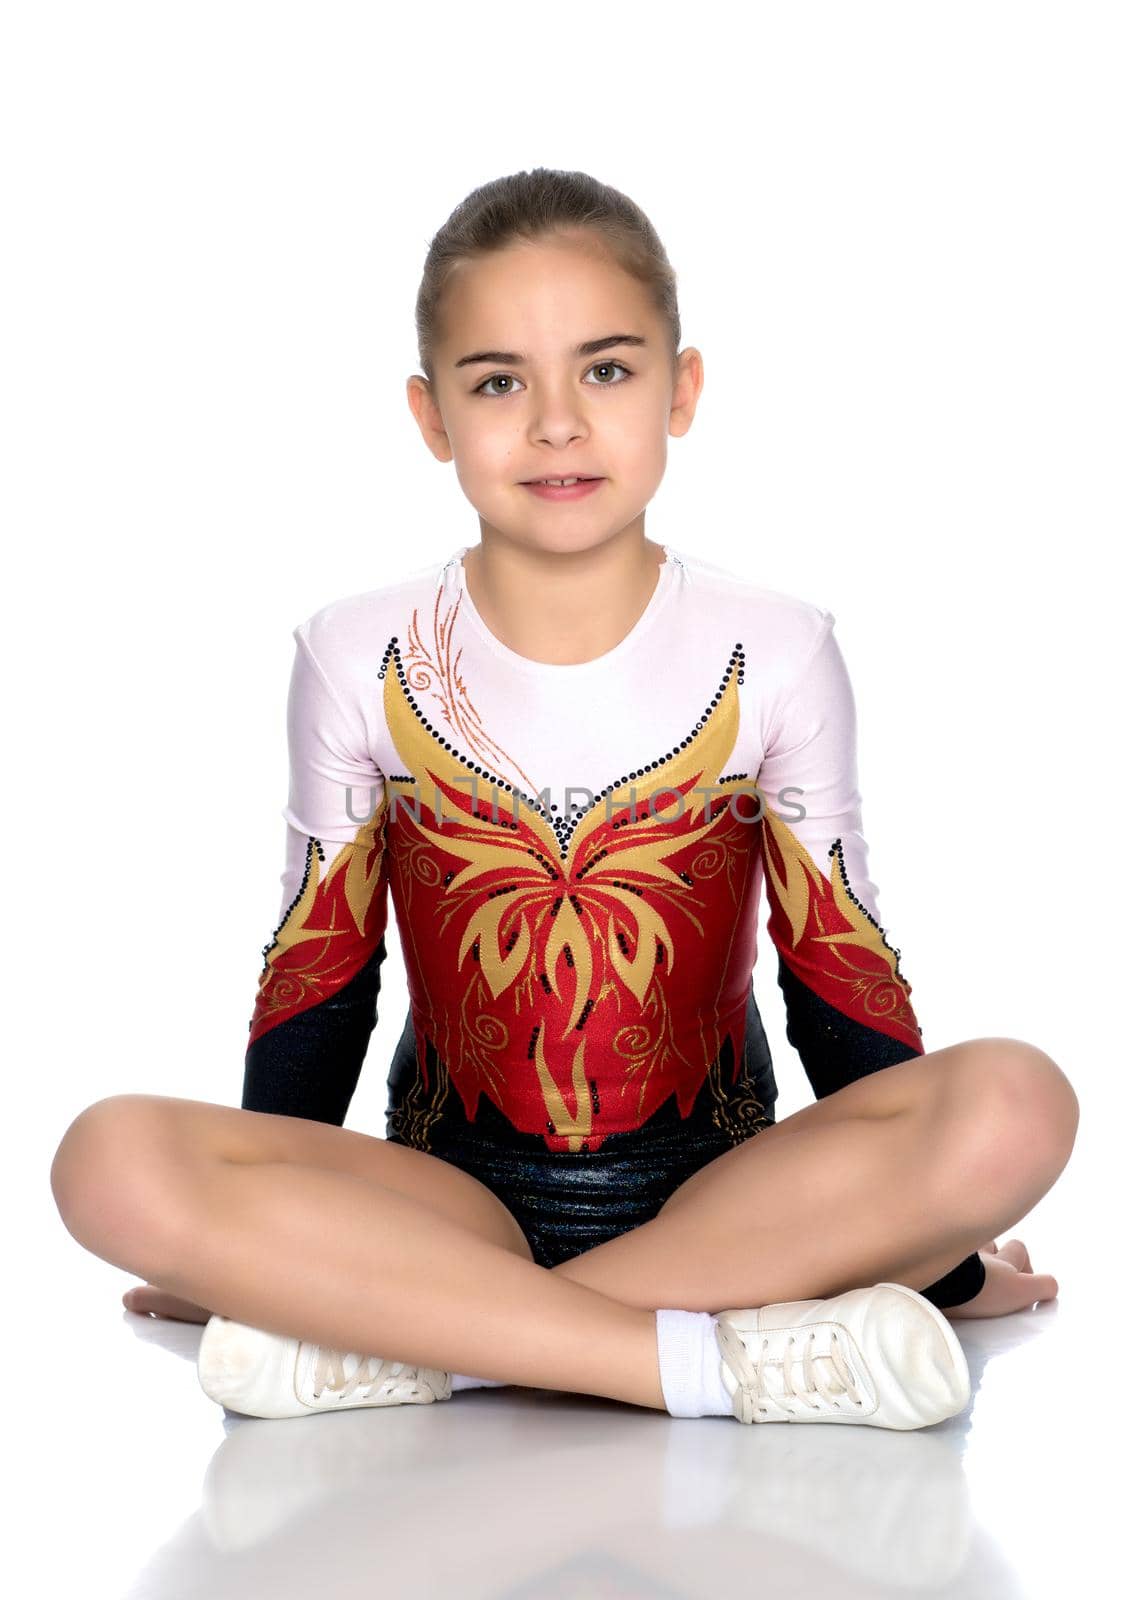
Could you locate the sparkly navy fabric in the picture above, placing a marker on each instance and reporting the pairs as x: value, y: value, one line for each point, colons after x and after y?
x: 309, y: 1064
x: 567, y: 1202
x: 833, y: 1048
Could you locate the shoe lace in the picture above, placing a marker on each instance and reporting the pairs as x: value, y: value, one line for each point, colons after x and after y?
x: 825, y: 1373
x: 371, y: 1375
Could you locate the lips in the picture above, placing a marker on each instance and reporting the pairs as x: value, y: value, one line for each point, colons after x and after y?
x: 563, y: 493
x: 557, y: 477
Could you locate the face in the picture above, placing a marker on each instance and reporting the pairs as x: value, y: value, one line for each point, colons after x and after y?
x: 553, y: 362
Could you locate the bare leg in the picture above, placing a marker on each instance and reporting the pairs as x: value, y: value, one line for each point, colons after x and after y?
x: 895, y: 1178
x: 935, y: 1155
x: 333, y: 1257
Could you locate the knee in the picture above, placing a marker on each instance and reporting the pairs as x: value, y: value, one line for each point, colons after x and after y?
x: 107, y: 1179
x: 1022, y: 1113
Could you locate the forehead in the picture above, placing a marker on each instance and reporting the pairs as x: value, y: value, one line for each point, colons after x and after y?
x: 541, y: 294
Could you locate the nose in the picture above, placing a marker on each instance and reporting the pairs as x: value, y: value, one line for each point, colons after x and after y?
x: 559, y: 419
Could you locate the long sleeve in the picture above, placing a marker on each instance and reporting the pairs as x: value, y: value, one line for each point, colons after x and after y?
x: 848, y: 1005
x: 316, y: 1003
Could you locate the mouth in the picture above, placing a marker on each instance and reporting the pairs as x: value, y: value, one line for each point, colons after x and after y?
x: 561, y: 488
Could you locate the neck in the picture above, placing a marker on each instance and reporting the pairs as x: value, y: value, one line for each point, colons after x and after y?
x: 562, y: 607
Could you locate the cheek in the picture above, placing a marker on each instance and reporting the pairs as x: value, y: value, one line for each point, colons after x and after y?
x: 641, y: 420
x: 643, y: 447
x: 484, y: 455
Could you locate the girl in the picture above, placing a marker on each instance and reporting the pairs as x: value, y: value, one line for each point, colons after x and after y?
x: 575, y: 758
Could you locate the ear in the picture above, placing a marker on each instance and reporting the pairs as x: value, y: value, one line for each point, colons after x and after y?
x: 688, y: 387
x: 428, y: 414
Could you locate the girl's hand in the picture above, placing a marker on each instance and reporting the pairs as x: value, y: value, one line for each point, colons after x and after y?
x: 147, y: 1300
x: 1009, y: 1283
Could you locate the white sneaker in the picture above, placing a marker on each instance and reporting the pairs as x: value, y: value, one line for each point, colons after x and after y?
x: 263, y: 1374
x: 883, y: 1355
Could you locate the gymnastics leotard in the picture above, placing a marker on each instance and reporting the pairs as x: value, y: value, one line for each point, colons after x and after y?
x: 576, y: 856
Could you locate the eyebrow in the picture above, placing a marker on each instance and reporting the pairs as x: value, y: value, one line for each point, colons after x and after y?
x: 513, y: 358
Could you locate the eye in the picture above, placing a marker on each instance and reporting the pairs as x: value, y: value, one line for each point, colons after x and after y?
x: 610, y: 366
x: 483, y: 387
x: 599, y: 366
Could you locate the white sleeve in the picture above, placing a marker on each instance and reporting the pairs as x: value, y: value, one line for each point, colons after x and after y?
x: 316, y: 1003
x: 847, y: 1004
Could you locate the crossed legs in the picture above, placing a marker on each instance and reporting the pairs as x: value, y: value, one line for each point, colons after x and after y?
x: 895, y: 1178
x: 329, y: 1235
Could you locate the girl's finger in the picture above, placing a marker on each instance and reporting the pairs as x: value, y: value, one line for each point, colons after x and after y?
x: 1016, y: 1251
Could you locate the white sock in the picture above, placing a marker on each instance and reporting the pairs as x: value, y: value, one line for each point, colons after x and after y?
x: 689, y: 1361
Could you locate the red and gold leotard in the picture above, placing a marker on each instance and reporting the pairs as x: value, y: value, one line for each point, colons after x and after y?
x: 577, y: 857
x: 576, y: 854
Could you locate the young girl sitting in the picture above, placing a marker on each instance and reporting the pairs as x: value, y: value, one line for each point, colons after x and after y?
x: 580, y: 762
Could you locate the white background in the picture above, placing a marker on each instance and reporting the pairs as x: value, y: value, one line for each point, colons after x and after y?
x: 907, y: 238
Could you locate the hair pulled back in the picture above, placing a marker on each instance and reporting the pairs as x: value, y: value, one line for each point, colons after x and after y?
x: 528, y: 206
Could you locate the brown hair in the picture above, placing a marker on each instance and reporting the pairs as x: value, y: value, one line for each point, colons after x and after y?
x: 528, y: 205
